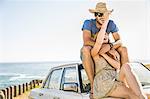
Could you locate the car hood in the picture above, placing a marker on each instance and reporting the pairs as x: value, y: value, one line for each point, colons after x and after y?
x: 35, y: 92
x: 146, y: 88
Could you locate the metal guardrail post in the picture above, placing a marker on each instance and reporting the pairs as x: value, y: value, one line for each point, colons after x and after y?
x: 14, y: 91
x: 30, y: 85
x: 2, y: 96
x: 19, y: 89
x: 8, y: 92
x: 11, y: 91
x: 5, y: 93
x: 23, y: 88
x: 26, y: 86
x: 34, y: 84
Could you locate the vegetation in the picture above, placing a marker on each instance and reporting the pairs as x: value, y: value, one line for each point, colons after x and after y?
x: 148, y: 65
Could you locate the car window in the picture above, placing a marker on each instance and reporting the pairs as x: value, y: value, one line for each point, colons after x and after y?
x: 70, y: 75
x: 46, y: 82
x: 54, y: 81
x: 85, y: 81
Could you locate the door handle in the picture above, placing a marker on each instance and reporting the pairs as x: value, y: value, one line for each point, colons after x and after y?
x: 41, y: 94
x: 56, y: 98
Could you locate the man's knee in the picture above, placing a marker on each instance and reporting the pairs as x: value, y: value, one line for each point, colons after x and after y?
x: 122, y: 50
x: 86, y: 50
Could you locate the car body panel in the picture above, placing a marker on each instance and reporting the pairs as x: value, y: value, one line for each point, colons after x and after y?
x: 47, y: 93
x: 43, y: 93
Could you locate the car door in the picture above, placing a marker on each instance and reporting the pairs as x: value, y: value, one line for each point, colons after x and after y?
x: 70, y: 76
x: 84, y: 83
x: 51, y: 87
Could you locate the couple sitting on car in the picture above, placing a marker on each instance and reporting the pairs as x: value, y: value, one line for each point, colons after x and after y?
x: 112, y: 77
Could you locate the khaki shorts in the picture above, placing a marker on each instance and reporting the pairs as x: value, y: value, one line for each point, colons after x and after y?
x: 81, y: 54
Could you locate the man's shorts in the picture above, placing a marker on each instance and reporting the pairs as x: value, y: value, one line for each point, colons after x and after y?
x: 81, y: 54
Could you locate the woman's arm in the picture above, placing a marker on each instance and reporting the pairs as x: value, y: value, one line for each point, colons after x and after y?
x: 113, y: 62
x: 100, y: 38
x: 104, y: 48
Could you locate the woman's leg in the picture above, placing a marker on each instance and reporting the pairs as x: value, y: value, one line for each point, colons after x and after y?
x: 123, y: 92
x: 132, y: 82
x: 88, y: 64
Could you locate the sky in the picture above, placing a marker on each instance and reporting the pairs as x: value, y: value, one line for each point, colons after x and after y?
x: 50, y: 30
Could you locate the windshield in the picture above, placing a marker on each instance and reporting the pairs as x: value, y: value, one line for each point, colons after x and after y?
x: 142, y: 73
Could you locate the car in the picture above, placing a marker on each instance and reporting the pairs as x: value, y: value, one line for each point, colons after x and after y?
x: 71, y: 82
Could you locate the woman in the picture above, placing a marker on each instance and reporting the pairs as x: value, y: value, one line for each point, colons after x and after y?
x: 106, y: 82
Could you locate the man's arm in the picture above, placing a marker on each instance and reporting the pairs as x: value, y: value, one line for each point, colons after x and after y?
x: 88, y: 41
x: 117, y: 39
x: 116, y: 36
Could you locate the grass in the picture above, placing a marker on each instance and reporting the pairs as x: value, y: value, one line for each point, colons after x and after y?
x: 26, y: 94
x: 148, y: 65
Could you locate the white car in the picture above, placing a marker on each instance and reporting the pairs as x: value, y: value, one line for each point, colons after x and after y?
x: 70, y: 82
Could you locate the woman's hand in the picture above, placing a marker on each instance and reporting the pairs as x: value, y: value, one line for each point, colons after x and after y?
x: 106, y: 19
x: 113, y: 54
x: 105, y: 48
x: 113, y: 62
x: 106, y: 15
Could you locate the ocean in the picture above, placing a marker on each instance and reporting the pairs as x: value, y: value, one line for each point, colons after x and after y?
x: 18, y: 73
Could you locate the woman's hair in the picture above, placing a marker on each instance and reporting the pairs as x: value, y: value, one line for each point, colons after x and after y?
x: 108, y: 38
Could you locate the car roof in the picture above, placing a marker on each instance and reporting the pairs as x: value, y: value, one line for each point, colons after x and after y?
x: 80, y: 64
x: 66, y: 65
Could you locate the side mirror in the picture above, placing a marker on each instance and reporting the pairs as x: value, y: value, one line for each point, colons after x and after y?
x: 70, y: 87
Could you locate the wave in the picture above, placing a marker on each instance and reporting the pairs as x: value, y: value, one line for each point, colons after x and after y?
x: 25, y: 76
x: 17, y: 76
x: 8, y: 74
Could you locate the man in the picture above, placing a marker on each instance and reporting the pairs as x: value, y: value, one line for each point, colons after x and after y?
x: 90, y: 29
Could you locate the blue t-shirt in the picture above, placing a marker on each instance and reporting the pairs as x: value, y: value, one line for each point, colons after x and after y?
x: 91, y: 26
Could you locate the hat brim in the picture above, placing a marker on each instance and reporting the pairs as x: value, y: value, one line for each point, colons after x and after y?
x: 94, y: 10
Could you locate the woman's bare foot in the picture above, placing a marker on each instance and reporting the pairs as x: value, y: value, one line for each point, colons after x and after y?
x: 91, y: 96
x: 91, y: 93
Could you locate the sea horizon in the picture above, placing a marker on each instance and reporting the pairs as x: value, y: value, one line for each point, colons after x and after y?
x: 40, y: 61
x: 15, y: 73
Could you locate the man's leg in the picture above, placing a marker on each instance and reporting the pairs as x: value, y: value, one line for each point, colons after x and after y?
x: 124, y: 59
x: 88, y: 64
x: 124, y: 55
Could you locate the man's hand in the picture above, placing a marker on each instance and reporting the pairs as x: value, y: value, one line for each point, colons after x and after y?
x: 117, y: 44
x: 105, y: 48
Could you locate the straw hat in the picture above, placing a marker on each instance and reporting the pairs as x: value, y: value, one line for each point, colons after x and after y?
x: 100, y: 7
